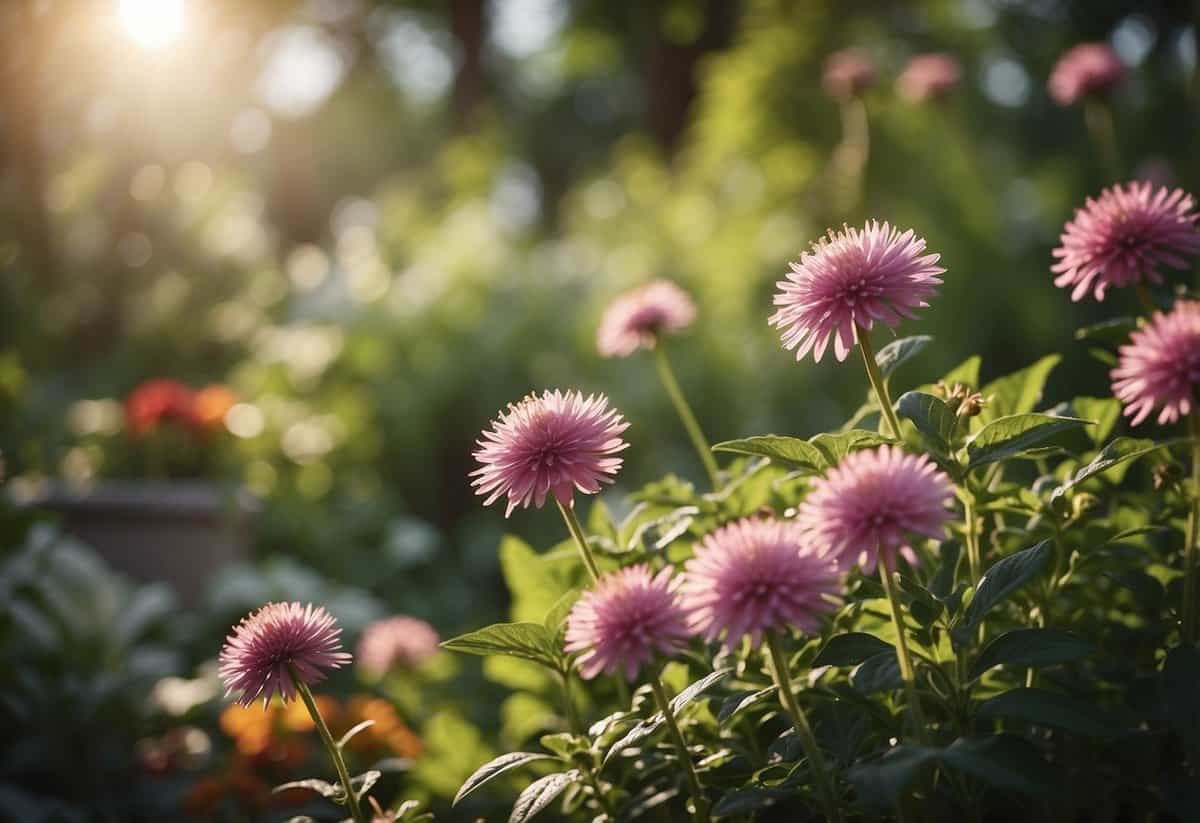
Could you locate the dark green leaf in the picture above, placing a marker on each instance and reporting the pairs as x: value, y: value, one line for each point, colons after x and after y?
x: 528, y: 641
x: 1003, y: 761
x: 698, y: 688
x: 748, y: 800
x: 891, y: 356
x: 1046, y: 708
x: 1009, y: 437
x: 735, y: 704
x: 1004, y: 578
x: 880, y: 783
x: 636, y: 735
x: 851, y: 649
x: 932, y: 417
x: 877, y: 674
x: 1119, y: 451
x: 495, y: 768
x: 1181, y: 696
x: 1031, y: 648
x: 539, y: 794
x: 1115, y: 331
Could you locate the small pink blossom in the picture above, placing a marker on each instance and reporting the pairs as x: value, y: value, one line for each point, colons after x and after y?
x: 1124, y: 236
x: 258, y: 658
x: 398, y: 641
x: 870, y: 504
x: 756, y: 576
x: 847, y: 74
x: 847, y: 282
x: 549, y: 444
x: 629, y: 617
x: 1085, y: 70
x: 929, y: 77
x: 637, y: 318
x: 1160, y: 366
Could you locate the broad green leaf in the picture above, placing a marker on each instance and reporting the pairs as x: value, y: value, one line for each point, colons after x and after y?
x: 527, y: 641
x: 891, y: 356
x: 1119, y: 451
x: 878, y: 673
x: 495, y: 768
x: 698, y: 688
x: 557, y: 614
x: 1031, y: 648
x: 1004, y: 578
x: 539, y: 794
x: 966, y: 372
x: 747, y: 800
x: 1017, y: 393
x: 932, y: 417
x: 1051, y: 709
x: 851, y: 649
x: 735, y: 704
x: 837, y: 445
x: 535, y: 581
x: 1106, y: 411
x: 1009, y: 437
x: 791, y: 451
x: 1114, y: 331
x: 880, y: 783
x: 563, y: 744
x: 1004, y: 761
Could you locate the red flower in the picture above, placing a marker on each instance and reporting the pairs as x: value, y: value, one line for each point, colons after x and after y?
x: 155, y: 402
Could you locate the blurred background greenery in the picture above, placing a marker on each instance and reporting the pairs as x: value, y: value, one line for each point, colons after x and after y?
x: 379, y: 222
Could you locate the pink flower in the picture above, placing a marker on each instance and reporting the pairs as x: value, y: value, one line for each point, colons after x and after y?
x: 637, y: 318
x: 868, y: 505
x: 1086, y: 69
x: 622, y: 623
x: 849, y: 280
x: 1159, y: 368
x: 847, y: 74
x: 398, y: 641
x: 549, y: 444
x: 928, y: 77
x: 258, y: 658
x: 756, y: 576
x: 1124, y: 236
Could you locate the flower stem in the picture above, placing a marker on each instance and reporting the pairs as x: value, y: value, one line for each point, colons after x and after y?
x: 700, y: 813
x: 569, y: 703
x: 335, y: 754
x: 974, y: 560
x: 878, y: 383
x: 667, y: 375
x: 1189, y: 549
x: 585, y: 551
x: 1098, y: 117
x: 906, y: 667
x: 804, y: 732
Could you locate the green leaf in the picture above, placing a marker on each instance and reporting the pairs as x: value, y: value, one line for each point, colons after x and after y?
x: 539, y: 794
x: 877, y: 674
x: 637, y: 734
x: 790, y: 451
x: 880, y: 783
x: 735, y: 704
x: 527, y: 641
x: 837, y: 445
x: 966, y: 372
x: 563, y: 744
x: 1004, y: 761
x: 557, y: 614
x: 362, y: 783
x: 932, y: 417
x: 1017, y: 393
x: 698, y: 688
x: 1106, y: 411
x: 1009, y: 437
x: 1046, y: 708
x: 1114, y: 331
x: 1005, y: 577
x: 1119, y: 451
x: 851, y: 649
x: 749, y: 799
x: 495, y: 768
x: 891, y: 356
x: 332, y: 791
x: 348, y: 736
x: 1031, y: 648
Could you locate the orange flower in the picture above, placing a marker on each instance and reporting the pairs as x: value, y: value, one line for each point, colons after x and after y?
x: 210, y: 405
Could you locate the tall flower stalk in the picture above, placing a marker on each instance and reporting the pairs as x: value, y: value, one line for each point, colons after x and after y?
x: 879, y: 385
x: 332, y: 748
x: 667, y: 375
x: 907, y: 672
x: 581, y: 541
x: 699, y: 803
x: 1191, y: 536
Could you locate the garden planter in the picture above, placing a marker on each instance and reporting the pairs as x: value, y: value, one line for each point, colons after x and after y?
x: 176, y: 533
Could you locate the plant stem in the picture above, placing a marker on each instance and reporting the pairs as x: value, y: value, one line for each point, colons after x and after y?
x: 667, y: 375
x: 569, y: 704
x: 1146, y: 299
x: 974, y: 559
x: 1098, y: 117
x: 878, y: 383
x: 808, y: 741
x: 585, y: 551
x: 335, y: 754
x: 907, y: 673
x: 660, y: 696
x: 1189, y: 549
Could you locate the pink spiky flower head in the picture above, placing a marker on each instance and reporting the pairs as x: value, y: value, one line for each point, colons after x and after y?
x: 929, y: 77
x: 1123, y: 237
x: 848, y: 281
x: 1085, y: 70
x: 869, y: 505
x: 549, y: 444
x: 396, y: 642
x: 258, y: 658
x: 638, y: 318
x: 755, y: 576
x: 847, y: 74
x: 1159, y: 368
x: 629, y: 617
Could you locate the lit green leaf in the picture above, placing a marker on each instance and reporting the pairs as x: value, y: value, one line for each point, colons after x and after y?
x: 894, y: 354
x: 495, y: 768
x: 1017, y: 393
x: 1121, y: 450
x: 1009, y: 437
x: 539, y: 794
x: 527, y: 641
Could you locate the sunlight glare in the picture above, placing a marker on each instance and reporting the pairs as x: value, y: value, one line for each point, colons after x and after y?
x: 152, y: 24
